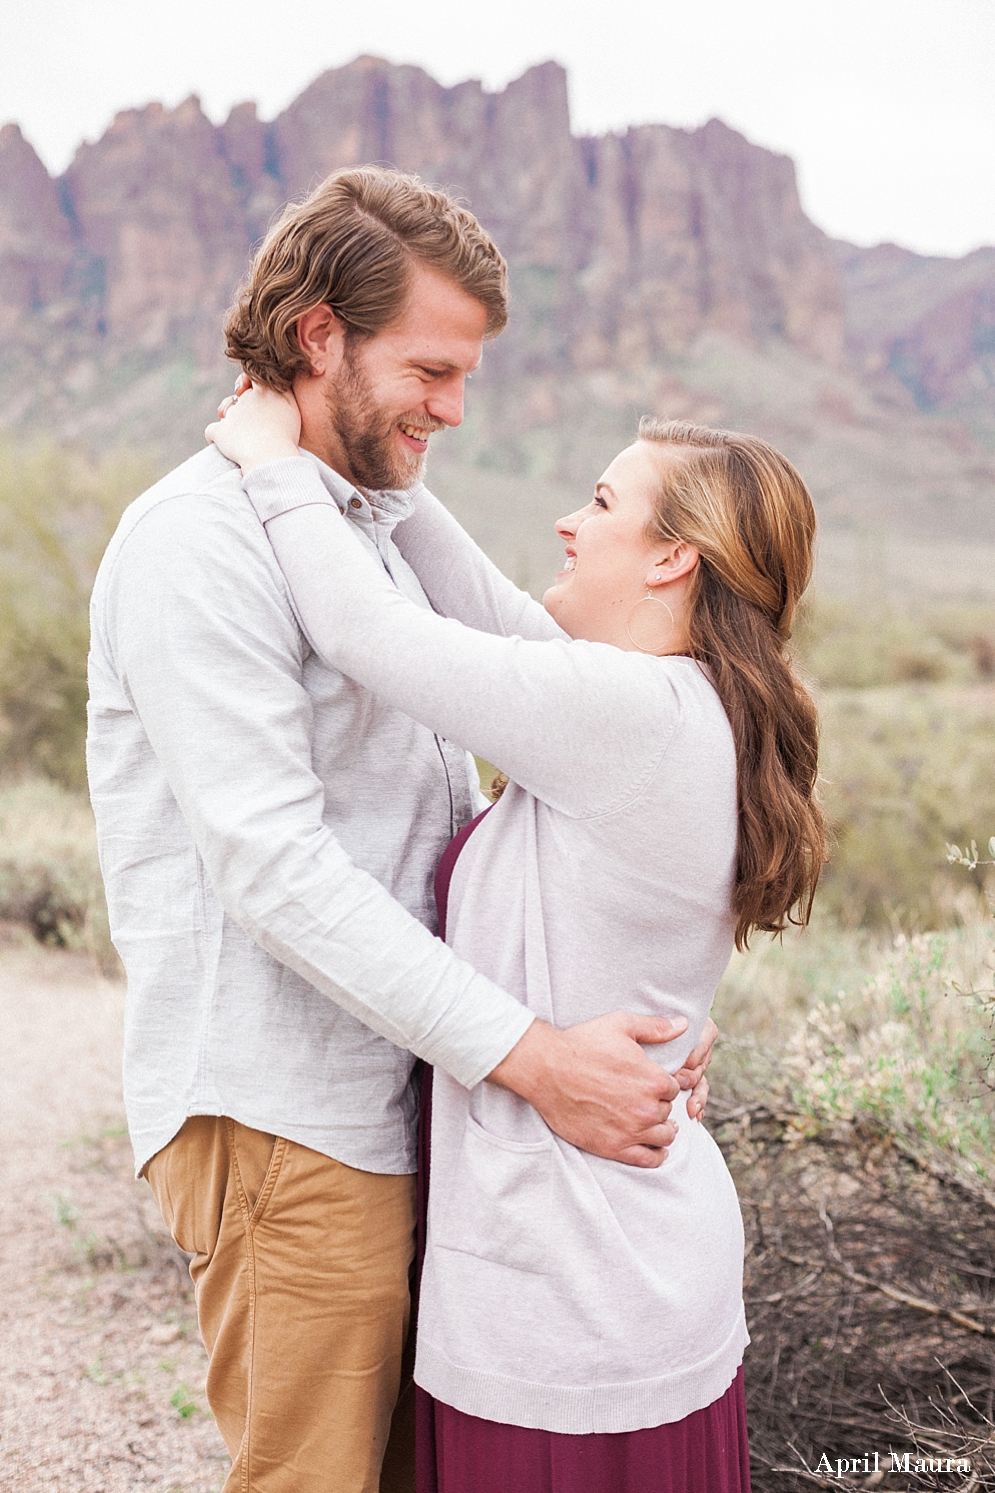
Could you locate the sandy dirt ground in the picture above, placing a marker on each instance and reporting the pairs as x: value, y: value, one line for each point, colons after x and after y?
x: 101, y: 1367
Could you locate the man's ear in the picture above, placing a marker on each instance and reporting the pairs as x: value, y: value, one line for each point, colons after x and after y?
x: 321, y: 335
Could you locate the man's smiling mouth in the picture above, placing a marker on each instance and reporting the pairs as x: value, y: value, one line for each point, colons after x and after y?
x: 416, y: 433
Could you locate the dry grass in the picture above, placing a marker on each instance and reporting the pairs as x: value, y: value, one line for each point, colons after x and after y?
x: 870, y: 1289
x: 905, y: 770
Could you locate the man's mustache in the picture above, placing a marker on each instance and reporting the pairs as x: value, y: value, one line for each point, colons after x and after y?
x: 422, y: 422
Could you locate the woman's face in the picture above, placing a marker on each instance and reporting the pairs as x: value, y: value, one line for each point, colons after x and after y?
x: 610, y: 558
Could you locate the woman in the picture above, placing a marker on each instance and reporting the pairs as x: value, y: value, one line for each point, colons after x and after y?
x: 581, y: 1322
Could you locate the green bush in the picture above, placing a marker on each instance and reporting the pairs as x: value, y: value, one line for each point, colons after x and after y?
x: 909, y: 1052
x: 49, y: 874
x: 856, y: 1028
x: 57, y: 512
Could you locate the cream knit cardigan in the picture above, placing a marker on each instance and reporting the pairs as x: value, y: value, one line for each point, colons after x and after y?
x: 560, y: 1291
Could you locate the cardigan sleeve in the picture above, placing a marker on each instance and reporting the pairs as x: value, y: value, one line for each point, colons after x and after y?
x: 459, y: 579
x: 582, y: 726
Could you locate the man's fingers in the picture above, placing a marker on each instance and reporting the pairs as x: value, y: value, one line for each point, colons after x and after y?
x: 667, y: 1088
x: 702, y: 1054
x: 653, y: 1138
x: 644, y: 1156
x: 687, y: 1078
x: 650, y: 1148
x: 696, y: 1063
x: 697, y: 1099
x: 653, y: 1029
x: 596, y: 1088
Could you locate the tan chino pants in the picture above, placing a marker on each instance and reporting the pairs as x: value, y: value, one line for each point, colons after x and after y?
x: 300, y: 1265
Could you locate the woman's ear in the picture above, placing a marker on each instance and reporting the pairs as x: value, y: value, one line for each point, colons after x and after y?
x: 321, y: 336
x: 673, y: 562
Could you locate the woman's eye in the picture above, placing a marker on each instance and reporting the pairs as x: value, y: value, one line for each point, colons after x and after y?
x: 599, y: 501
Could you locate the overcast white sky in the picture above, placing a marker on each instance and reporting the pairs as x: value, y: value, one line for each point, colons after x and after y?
x: 887, y: 106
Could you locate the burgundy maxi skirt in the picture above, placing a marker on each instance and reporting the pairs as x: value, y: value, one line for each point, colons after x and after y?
x: 706, y: 1452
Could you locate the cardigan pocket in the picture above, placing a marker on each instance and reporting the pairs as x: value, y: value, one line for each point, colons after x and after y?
x: 500, y: 1204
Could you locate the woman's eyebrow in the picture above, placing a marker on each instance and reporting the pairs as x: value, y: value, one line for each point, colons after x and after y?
x: 603, y: 487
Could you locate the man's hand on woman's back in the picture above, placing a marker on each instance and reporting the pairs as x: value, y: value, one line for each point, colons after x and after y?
x: 596, y: 1088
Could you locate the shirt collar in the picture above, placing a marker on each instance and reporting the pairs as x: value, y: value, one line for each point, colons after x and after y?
x: 385, y: 508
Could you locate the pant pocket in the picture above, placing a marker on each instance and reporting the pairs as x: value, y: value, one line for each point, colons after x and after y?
x: 256, y: 1157
x: 188, y: 1178
x: 270, y: 1179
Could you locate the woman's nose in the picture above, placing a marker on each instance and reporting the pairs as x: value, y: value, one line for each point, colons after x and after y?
x: 567, y: 527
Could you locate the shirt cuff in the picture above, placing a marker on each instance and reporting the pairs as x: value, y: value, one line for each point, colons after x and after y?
x: 279, y: 486
x: 477, y: 1033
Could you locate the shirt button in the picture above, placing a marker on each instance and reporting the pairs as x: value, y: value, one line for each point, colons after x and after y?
x: 355, y: 502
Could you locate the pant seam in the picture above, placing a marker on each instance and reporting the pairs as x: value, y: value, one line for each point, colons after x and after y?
x: 248, y: 1218
x: 250, y: 1270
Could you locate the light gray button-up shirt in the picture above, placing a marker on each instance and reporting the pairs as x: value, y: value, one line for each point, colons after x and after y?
x: 268, y: 834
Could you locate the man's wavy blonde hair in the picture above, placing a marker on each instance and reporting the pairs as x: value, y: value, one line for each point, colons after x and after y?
x: 352, y: 245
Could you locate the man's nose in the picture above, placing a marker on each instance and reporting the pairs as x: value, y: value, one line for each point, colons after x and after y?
x: 445, y: 403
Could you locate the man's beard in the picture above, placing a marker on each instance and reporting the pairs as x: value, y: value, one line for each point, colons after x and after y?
x: 366, y: 433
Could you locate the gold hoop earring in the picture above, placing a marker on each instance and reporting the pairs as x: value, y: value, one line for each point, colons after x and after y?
x: 628, y: 622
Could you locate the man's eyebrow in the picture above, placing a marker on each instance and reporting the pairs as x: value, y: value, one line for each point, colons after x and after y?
x: 444, y: 365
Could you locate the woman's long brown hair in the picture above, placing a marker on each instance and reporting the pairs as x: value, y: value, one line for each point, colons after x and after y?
x: 748, y: 513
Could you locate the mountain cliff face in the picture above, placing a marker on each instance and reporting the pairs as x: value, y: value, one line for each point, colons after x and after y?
x: 929, y: 322
x: 36, y: 239
x: 660, y: 268
x: 625, y: 246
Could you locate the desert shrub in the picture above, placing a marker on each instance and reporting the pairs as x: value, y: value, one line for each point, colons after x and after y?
x: 57, y: 512
x: 908, y: 1053
x: 854, y: 1098
x: 868, y: 1027
x: 49, y: 873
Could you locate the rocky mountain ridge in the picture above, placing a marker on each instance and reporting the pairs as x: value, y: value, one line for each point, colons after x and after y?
x: 660, y: 267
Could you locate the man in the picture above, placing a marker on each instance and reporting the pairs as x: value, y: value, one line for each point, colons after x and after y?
x: 268, y: 834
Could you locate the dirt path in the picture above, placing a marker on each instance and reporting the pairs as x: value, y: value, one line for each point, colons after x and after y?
x: 101, y: 1367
